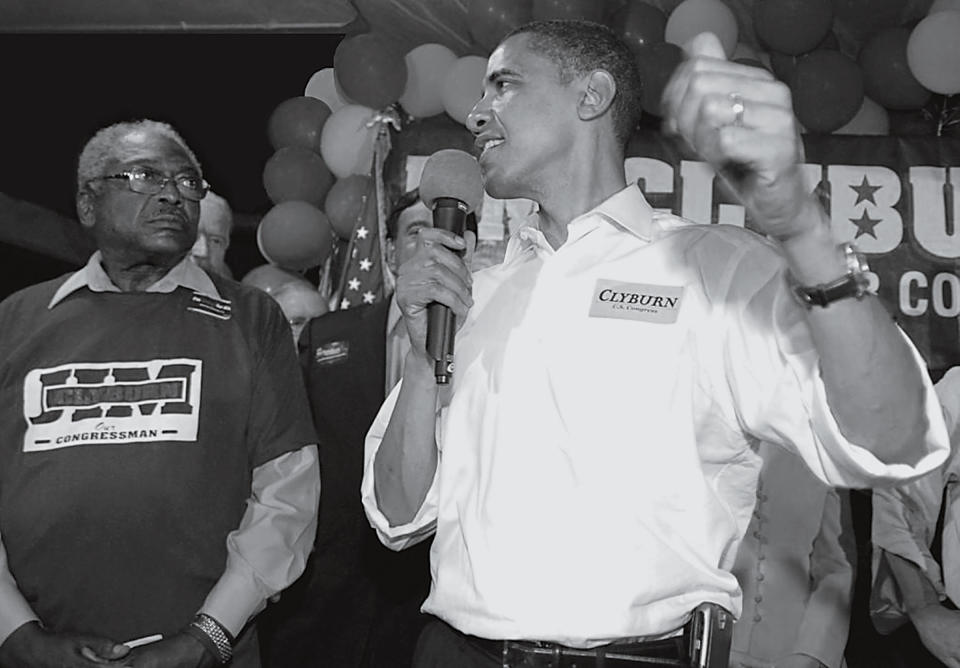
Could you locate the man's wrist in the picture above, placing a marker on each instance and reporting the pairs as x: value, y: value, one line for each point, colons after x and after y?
x: 216, y: 640
x: 813, y: 256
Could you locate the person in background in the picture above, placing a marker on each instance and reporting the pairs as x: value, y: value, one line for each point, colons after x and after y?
x: 358, y: 603
x: 213, y: 235
x: 796, y: 569
x: 158, y: 466
x: 300, y: 302
x: 916, y: 557
x: 590, y: 471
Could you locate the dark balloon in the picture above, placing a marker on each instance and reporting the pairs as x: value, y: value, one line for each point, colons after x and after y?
x: 296, y: 173
x: 657, y: 63
x: 490, y: 20
x: 587, y: 10
x: 827, y: 90
x: 887, y: 78
x: 792, y: 26
x: 639, y: 24
x: 369, y: 71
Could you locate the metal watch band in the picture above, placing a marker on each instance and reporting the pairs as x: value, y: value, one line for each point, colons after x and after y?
x: 217, y: 634
x: 852, y: 284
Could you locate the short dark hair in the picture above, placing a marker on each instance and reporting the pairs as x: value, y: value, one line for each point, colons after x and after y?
x: 579, y: 47
x: 404, y: 202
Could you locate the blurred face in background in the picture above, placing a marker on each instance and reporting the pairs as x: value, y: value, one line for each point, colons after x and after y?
x: 300, y: 302
x: 213, y: 235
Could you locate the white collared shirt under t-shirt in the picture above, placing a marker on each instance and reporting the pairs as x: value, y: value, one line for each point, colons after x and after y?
x: 596, y: 467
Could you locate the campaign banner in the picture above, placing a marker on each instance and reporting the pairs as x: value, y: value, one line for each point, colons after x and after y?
x: 896, y: 198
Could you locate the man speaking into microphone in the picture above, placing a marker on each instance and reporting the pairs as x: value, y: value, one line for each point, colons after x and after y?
x: 591, y: 468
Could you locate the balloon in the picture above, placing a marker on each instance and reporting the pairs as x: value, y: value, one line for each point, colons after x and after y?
x: 933, y: 52
x: 491, y: 20
x: 463, y: 86
x: 871, y: 119
x: 865, y: 17
x: 369, y: 71
x: 298, y: 122
x: 346, y: 143
x: 295, y: 235
x: 657, y: 63
x: 827, y: 90
x: 692, y: 17
x: 638, y: 24
x: 887, y: 78
x: 294, y: 172
x: 944, y: 5
x: 792, y: 26
x: 270, y: 278
x: 323, y: 86
x: 344, y: 203
x: 587, y: 10
x: 427, y: 65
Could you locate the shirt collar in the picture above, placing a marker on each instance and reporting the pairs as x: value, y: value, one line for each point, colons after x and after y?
x: 627, y: 208
x: 92, y: 276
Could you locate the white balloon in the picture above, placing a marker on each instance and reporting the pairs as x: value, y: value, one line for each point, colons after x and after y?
x: 427, y: 66
x: 463, y: 86
x: 323, y: 86
x: 346, y: 141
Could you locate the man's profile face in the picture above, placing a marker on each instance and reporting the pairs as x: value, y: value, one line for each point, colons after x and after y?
x: 409, y: 223
x: 136, y: 226
x: 213, y: 238
x: 525, y: 121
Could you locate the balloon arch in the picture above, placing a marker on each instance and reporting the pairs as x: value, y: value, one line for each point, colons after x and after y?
x: 854, y: 67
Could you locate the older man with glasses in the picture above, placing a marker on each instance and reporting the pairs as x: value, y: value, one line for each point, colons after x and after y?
x: 158, y: 473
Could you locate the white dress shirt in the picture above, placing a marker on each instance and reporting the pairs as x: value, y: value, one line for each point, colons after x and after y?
x: 596, y: 470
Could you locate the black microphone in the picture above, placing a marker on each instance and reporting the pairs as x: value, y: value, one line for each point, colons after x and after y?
x: 452, y: 187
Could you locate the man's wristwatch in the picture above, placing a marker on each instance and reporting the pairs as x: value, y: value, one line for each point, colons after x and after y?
x: 852, y: 284
x: 211, y: 634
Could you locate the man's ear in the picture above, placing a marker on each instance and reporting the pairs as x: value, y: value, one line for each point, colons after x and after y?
x: 391, y: 250
x: 598, y: 93
x: 85, y: 207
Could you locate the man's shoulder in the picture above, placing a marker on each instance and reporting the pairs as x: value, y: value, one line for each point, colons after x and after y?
x: 36, y: 295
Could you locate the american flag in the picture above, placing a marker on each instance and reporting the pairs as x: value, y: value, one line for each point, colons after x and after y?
x: 365, y: 278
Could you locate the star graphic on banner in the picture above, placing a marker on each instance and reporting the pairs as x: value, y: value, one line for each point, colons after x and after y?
x: 365, y: 264
x: 368, y: 297
x: 354, y: 284
x: 865, y: 225
x: 345, y: 304
x: 362, y: 233
x: 865, y: 191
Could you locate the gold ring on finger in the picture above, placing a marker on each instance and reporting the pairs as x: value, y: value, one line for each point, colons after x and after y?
x: 737, y: 107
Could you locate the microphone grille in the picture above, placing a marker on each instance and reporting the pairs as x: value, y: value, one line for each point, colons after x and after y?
x: 452, y: 173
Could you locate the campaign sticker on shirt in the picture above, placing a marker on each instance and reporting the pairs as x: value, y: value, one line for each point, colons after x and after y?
x: 218, y: 308
x: 331, y: 353
x: 636, y: 301
x: 112, y: 402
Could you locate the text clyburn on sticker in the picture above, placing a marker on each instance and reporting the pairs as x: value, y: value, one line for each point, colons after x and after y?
x: 615, y: 297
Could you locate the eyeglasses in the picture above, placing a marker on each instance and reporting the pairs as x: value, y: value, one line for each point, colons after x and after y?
x: 147, y: 181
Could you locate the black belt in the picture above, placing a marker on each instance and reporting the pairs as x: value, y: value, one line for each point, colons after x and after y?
x: 540, y: 654
x: 704, y: 643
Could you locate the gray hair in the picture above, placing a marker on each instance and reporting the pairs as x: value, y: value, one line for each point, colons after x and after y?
x: 109, y: 142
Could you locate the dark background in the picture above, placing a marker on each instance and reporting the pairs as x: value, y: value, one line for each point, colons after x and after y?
x: 218, y: 90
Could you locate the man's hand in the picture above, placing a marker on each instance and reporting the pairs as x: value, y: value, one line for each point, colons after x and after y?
x: 30, y: 646
x: 740, y: 120
x: 435, y: 273
x: 178, y: 651
x: 939, y: 630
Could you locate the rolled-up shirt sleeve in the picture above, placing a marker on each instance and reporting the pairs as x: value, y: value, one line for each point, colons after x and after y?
x: 269, y: 549
x: 14, y: 609
x: 424, y: 523
x: 777, y: 391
